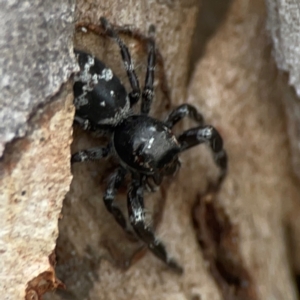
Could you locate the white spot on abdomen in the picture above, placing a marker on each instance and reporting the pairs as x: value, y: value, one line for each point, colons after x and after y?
x: 80, y: 101
x: 106, y: 74
x: 150, y: 143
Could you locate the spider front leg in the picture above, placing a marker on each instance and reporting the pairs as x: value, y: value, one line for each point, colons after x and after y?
x: 148, y: 91
x: 90, y: 154
x: 87, y: 125
x: 206, y: 134
x: 134, y: 95
x: 182, y: 111
x: 136, y: 212
x: 114, y: 184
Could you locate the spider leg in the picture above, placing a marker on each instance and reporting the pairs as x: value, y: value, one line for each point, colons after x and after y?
x: 159, y: 60
x: 148, y: 91
x: 206, y: 134
x: 136, y: 34
x: 90, y: 154
x: 136, y: 211
x: 87, y: 125
x: 114, y: 184
x: 134, y: 95
x: 182, y: 111
x: 152, y: 182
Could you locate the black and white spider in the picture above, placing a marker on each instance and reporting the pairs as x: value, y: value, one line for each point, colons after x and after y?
x: 144, y: 146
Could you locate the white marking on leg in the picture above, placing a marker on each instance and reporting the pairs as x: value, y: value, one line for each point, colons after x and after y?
x: 128, y: 66
x: 138, y: 216
x: 82, y: 155
x: 205, y: 134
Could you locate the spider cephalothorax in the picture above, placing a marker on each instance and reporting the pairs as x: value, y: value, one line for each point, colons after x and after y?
x: 144, y: 146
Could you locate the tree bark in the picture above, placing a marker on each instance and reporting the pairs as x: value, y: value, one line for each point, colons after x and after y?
x: 231, y: 244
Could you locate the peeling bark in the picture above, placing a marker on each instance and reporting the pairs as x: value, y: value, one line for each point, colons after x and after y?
x: 35, y: 177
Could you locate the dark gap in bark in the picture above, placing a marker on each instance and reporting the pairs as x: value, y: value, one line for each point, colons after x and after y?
x: 292, y: 253
x: 219, y: 242
x: 297, y: 280
x: 211, y: 15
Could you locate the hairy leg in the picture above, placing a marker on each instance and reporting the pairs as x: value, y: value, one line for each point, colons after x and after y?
x: 143, y: 230
x: 206, y: 134
x: 148, y: 91
x: 90, y: 154
x: 134, y: 95
x: 114, y: 184
x: 135, y: 34
x: 182, y: 111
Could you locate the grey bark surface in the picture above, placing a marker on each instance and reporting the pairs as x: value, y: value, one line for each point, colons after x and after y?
x: 284, y: 27
x: 36, y: 58
x: 283, y: 24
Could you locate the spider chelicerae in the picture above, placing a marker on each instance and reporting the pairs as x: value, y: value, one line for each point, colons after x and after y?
x: 144, y: 146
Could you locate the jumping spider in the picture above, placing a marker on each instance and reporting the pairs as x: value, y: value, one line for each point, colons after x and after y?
x: 144, y: 146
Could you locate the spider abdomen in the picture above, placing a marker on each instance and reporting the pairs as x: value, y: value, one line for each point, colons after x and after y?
x: 145, y: 144
x: 99, y: 95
